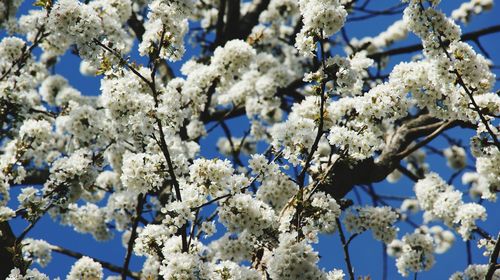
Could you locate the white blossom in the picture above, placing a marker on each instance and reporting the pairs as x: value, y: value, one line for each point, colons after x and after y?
x: 474, y: 271
x: 85, y: 268
x: 321, y: 19
x: 37, y: 250
x: 35, y: 132
x: 456, y: 157
x: 166, y: 21
x: 6, y: 213
x: 71, y: 22
x: 441, y: 201
x: 380, y: 220
x: 142, y: 172
x: 237, y: 166
x: 417, y: 254
x: 31, y: 274
x: 473, y: 7
x: 243, y: 212
x: 294, y: 260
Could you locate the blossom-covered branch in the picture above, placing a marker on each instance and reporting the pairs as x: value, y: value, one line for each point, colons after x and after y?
x: 231, y: 156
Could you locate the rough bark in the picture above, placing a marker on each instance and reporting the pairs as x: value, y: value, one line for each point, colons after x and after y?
x: 7, y: 241
x: 345, y: 175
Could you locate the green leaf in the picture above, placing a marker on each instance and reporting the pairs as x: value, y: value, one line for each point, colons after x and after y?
x: 43, y: 3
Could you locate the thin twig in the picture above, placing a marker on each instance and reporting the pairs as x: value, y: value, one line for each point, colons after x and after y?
x: 345, y: 246
x: 469, y: 253
x: 384, y: 261
x: 407, y: 173
x: 138, y: 211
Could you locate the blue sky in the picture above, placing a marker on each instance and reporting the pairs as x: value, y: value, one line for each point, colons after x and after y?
x: 365, y: 252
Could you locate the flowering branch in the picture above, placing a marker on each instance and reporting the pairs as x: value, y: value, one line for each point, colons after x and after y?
x: 462, y: 83
x: 493, y: 260
x: 109, y: 266
x: 104, y: 163
x: 471, y: 36
x: 26, y: 53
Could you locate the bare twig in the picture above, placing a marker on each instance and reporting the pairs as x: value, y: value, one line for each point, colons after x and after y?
x: 408, y: 173
x: 345, y: 247
x: 130, y: 245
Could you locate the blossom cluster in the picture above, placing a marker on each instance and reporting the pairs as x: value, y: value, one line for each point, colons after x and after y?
x: 321, y: 19
x: 416, y: 255
x: 380, y: 220
x: 293, y: 260
x: 441, y: 201
x: 85, y: 268
x: 474, y: 271
x: 165, y: 29
x: 468, y: 9
x: 37, y: 250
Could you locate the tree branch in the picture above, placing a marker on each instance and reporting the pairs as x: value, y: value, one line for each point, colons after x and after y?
x: 418, y: 47
x: 249, y: 20
x: 138, y: 211
x: 107, y: 265
x: 137, y: 26
x: 233, y: 18
x: 493, y: 260
x: 345, y: 247
x: 346, y: 174
x: 7, y: 241
x: 219, y: 27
